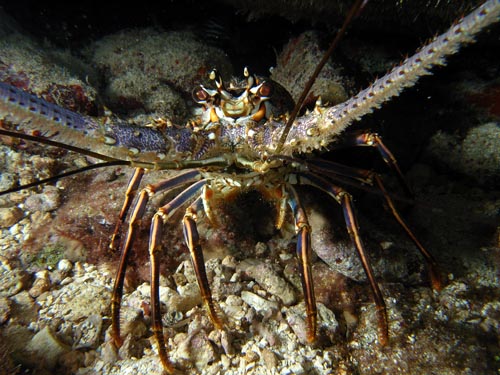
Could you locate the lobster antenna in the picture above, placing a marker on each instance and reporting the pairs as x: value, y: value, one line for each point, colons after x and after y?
x: 50, y: 142
x: 353, y: 12
x: 108, y: 161
x: 65, y: 174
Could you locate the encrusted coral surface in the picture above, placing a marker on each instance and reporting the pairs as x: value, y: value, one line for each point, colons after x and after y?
x: 56, y: 272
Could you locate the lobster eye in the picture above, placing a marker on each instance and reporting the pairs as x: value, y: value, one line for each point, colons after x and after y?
x: 200, y: 95
x: 266, y: 89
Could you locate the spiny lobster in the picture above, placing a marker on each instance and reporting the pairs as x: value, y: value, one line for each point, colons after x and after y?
x: 239, y: 142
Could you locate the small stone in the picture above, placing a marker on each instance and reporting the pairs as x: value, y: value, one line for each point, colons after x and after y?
x: 225, y: 361
x: 225, y: 340
x: 7, y: 181
x: 233, y: 309
x: 66, y: 281
x: 45, y: 347
x: 165, y: 292
x: 185, y: 273
x: 132, y: 322
x: 197, y: 348
x: 269, y: 358
x: 269, y: 279
x: 41, y: 284
x: 48, y: 200
x: 229, y: 261
x: 295, y: 317
x: 261, y: 305
x: 297, y: 369
x: 24, y: 307
x: 251, y: 356
x: 9, y: 216
x: 87, y: 333
x: 189, y: 297
x: 64, y: 266
x: 131, y: 348
x: 326, y: 319
x: 12, y: 281
x: 109, y: 353
x: 261, y: 249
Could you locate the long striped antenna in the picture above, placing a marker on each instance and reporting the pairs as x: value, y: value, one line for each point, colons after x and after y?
x: 353, y: 12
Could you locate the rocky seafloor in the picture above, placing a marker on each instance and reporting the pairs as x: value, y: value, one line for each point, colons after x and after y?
x: 57, y: 273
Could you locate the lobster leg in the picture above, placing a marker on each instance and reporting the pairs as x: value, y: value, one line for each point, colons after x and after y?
x: 431, y: 262
x: 159, y: 220
x: 352, y: 229
x: 130, y: 193
x: 136, y: 215
x: 304, y: 252
x: 345, y: 200
x: 368, y: 177
x: 193, y: 243
x: 375, y: 140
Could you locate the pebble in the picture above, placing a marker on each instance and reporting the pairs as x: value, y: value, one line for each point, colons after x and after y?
x: 165, y: 292
x: 131, y: 348
x: 296, y: 369
x: 195, y: 346
x: 64, y: 266
x: 251, y: 356
x: 268, y: 278
x: 12, y: 281
x: 295, y: 317
x: 66, y: 281
x: 189, y: 297
x: 327, y: 320
x: 225, y: 361
x: 45, y: 347
x: 109, y: 354
x: 78, y: 300
x: 9, y: 216
x: 24, y: 307
x: 88, y: 332
x: 225, y: 340
x: 132, y: 322
x: 41, y: 284
x: 7, y: 181
x: 261, y: 305
x: 234, y: 313
x: 269, y: 359
x: 48, y: 200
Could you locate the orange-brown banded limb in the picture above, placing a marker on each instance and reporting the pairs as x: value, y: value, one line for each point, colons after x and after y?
x: 371, y: 178
x: 192, y: 240
x: 345, y: 201
x: 304, y: 253
x: 138, y: 209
